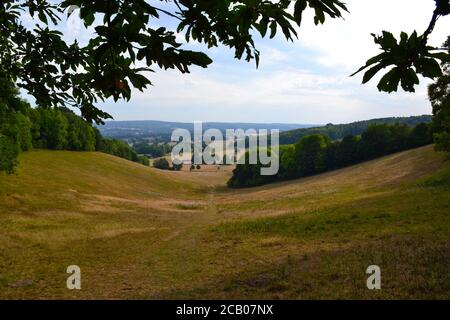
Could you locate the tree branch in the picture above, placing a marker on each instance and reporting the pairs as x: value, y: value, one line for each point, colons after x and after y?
x: 167, y: 12
x: 176, y: 2
x: 430, y: 28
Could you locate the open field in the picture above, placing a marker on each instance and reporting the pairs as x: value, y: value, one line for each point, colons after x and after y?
x: 141, y: 233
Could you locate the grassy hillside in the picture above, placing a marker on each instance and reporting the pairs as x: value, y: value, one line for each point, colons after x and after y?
x: 141, y: 233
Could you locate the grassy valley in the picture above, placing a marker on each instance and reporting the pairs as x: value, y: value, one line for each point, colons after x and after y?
x: 138, y: 232
x: 250, y: 184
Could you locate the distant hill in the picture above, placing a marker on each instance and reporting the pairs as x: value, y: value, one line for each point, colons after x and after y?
x: 339, y: 131
x: 162, y: 131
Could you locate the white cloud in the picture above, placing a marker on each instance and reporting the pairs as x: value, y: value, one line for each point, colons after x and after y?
x: 304, y: 82
x: 271, y: 56
x: 295, y: 96
x: 348, y: 43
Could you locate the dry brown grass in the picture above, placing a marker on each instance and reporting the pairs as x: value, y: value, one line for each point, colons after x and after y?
x: 142, y: 233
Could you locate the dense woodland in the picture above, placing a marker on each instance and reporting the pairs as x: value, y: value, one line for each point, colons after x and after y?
x: 23, y: 128
x: 339, y: 131
x: 317, y: 153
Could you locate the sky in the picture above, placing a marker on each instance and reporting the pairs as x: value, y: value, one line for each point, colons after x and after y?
x: 306, y: 81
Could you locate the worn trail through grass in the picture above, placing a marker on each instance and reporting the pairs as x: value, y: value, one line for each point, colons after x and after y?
x: 140, y: 233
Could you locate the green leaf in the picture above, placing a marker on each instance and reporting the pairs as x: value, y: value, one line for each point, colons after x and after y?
x: 262, y: 27
x: 299, y: 8
x: 444, y: 57
x: 409, y: 79
x: 197, y: 58
x: 42, y: 17
x: 429, y: 68
x: 387, y: 41
x: 372, y: 72
x: 273, y: 29
x: 319, y: 17
x: 139, y: 81
x: 87, y: 14
x: 389, y: 82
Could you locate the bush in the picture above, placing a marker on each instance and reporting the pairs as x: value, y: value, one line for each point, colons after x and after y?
x: 8, y: 154
x: 161, y: 163
x: 177, y: 167
x: 144, y: 160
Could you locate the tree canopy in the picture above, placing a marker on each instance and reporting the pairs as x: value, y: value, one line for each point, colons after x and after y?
x: 316, y: 153
x: 126, y: 45
x: 439, y: 94
x: 23, y: 128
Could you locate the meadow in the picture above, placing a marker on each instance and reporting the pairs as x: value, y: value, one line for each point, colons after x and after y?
x: 142, y: 233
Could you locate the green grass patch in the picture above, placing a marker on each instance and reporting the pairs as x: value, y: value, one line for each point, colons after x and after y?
x: 440, y: 179
x: 409, y: 211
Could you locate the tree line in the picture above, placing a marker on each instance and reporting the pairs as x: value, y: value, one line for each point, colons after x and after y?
x: 23, y: 128
x: 153, y: 150
x: 317, y: 153
x: 339, y: 131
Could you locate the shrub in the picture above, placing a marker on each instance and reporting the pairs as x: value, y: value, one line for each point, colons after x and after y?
x: 161, y: 163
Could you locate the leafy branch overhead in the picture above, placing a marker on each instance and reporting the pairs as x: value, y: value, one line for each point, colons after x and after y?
x: 408, y: 56
x: 59, y: 73
x: 132, y: 38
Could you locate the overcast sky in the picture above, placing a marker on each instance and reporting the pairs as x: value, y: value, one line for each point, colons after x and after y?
x: 302, y: 82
